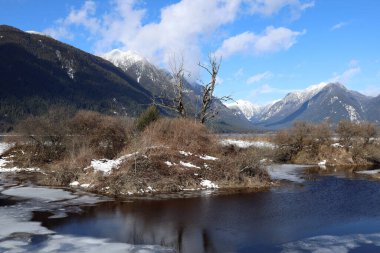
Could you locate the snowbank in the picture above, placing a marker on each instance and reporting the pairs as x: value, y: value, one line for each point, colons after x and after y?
x: 247, y: 144
x: 208, y: 184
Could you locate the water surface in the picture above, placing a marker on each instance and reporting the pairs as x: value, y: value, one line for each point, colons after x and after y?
x: 336, y: 212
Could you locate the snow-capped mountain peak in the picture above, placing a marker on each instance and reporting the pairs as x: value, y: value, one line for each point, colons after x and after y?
x: 248, y: 109
x: 124, y: 59
x: 303, y: 95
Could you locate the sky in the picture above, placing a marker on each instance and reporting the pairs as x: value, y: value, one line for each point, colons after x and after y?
x: 268, y: 48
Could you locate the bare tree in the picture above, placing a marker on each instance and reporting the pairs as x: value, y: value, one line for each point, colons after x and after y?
x: 206, y: 111
x: 177, y: 102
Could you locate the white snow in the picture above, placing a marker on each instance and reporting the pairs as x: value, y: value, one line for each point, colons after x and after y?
x: 208, y: 184
x: 248, y: 109
x: 247, y: 144
x: 106, y: 165
x: 169, y: 163
x: 188, y: 165
x: 4, y: 147
x: 15, y: 169
x: 46, y: 194
x: 124, y: 59
x: 85, y: 185
x: 37, y: 33
x: 185, y: 153
x: 207, y: 157
x: 289, y: 172
x: 322, y: 164
x: 336, y: 145
x: 352, y: 113
x: 368, y: 172
x: 292, y: 101
x: 3, y: 162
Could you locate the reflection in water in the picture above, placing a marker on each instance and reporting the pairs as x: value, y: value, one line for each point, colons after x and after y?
x: 272, y: 221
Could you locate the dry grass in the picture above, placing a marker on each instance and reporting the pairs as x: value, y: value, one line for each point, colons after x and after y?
x: 179, y: 134
x: 93, y: 136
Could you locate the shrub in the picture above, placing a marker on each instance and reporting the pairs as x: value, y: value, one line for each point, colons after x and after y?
x: 302, y: 139
x: 148, y: 116
x: 180, y: 134
x: 44, y: 137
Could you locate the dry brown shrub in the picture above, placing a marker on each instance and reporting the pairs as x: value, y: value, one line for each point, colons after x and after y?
x: 179, y: 134
x: 302, y: 142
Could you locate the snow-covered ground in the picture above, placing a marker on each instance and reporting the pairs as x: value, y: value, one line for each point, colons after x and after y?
x: 106, y: 166
x: 247, y: 144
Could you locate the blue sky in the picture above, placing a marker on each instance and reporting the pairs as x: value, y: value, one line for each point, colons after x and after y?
x: 268, y: 47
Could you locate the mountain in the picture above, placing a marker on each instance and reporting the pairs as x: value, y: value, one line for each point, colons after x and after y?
x: 249, y: 110
x: 160, y: 83
x: 332, y: 102
x: 373, y: 110
x: 38, y: 72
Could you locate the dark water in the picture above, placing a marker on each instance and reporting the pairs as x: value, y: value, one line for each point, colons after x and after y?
x: 328, y: 212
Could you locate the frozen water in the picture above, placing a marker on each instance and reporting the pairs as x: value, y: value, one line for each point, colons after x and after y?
x: 41, y: 193
x: 288, y: 172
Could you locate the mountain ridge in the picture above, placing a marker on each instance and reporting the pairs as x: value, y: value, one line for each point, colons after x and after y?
x: 317, y: 103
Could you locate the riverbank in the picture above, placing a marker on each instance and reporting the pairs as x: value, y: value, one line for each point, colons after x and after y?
x: 328, y: 209
x: 169, y: 155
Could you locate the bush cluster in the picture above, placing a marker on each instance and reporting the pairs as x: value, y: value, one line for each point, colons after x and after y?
x: 309, y: 143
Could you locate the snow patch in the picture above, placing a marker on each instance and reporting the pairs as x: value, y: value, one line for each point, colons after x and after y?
x: 322, y: 164
x: 106, y: 166
x: 352, y: 113
x: 169, y: 163
x: 207, y: 157
x: 185, y: 153
x: 247, y: 144
x: 188, y: 165
x: 208, y: 184
x: 37, y: 33
x: 337, y: 145
x: 15, y: 169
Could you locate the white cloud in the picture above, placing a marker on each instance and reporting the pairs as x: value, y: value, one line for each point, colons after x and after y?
x: 346, y: 76
x: 259, y: 77
x: 270, y: 7
x: 338, y: 26
x: 182, y: 27
x: 272, y: 40
x: 179, y: 30
x: 82, y: 17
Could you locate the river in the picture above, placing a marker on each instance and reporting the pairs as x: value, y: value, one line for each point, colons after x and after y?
x: 317, y: 211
